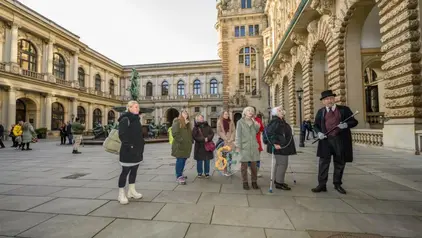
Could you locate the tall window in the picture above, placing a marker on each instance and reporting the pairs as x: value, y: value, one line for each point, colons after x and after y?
x: 180, y: 88
x: 248, y: 84
x: 81, y: 77
x: 57, y: 116
x: 98, y: 82
x: 164, y: 88
x: 247, y: 56
x: 111, y: 117
x: 242, y: 31
x: 242, y: 82
x: 148, y: 89
x: 197, y: 87
x: 59, y: 67
x: 246, y: 4
x: 236, y: 31
x: 81, y: 114
x: 253, y: 30
x: 27, y: 56
x: 97, y: 117
x: 213, y: 87
x: 253, y: 86
x: 111, y: 86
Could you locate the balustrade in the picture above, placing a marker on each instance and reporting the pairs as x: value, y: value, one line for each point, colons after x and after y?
x: 367, y: 137
x: 63, y: 82
x: 2, y: 67
x: 32, y: 74
x: 375, y: 117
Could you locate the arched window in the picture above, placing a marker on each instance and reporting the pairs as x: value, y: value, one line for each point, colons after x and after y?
x: 81, y: 114
x: 180, y: 88
x: 213, y: 87
x: 164, y: 88
x: 98, y: 82
x: 27, y: 56
x: 247, y: 56
x: 111, y: 117
x: 111, y: 86
x: 59, y: 67
x: 97, y: 117
x: 149, y: 89
x: 81, y: 77
x: 57, y: 116
x: 197, y: 87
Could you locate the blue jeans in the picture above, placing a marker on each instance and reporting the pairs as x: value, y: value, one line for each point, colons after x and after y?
x: 180, y: 166
x: 258, y: 164
x: 202, y: 165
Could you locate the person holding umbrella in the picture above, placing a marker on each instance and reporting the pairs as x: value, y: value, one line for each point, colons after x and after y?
x: 335, y: 139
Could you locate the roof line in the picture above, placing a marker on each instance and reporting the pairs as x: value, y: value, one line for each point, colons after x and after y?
x: 170, y: 64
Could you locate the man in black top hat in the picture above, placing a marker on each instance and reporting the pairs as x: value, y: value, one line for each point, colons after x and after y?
x: 337, y: 143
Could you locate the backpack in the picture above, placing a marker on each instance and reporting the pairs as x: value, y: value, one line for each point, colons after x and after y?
x: 112, y: 143
x: 169, y: 132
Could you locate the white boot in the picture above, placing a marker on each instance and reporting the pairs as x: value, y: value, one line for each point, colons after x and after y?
x: 131, y: 193
x: 122, y: 197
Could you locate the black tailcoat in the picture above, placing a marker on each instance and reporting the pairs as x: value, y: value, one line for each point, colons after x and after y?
x: 344, y: 135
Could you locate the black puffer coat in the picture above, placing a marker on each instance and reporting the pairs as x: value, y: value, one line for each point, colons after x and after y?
x: 278, y: 132
x: 201, y: 131
x: 130, y: 134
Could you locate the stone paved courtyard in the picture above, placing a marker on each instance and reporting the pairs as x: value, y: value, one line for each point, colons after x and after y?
x: 37, y: 200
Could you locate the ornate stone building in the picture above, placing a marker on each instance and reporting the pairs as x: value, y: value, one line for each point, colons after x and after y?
x: 367, y: 51
x: 48, y: 76
x: 169, y: 87
x: 240, y: 25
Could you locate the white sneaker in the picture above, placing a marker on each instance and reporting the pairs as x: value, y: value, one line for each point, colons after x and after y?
x: 122, y: 197
x: 131, y: 193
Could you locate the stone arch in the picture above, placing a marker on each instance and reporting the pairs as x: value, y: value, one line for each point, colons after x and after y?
x: 27, y: 109
x: 285, y: 100
x: 38, y: 48
x: 171, y: 114
x: 277, y: 95
x: 255, y: 46
x: 297, y: 81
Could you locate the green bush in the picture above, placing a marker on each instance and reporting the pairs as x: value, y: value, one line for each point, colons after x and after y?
x: 41, y: 133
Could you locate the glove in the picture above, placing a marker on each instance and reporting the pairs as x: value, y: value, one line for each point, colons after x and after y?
x: 321, y: 136
x: 342, y: 126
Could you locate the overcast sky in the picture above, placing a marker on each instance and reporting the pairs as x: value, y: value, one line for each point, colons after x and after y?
x: 138, y: 31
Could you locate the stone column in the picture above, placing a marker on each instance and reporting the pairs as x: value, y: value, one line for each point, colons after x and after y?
x: 90, y: 77
x: 11, y: 108
x: 75, y: 69
x: 106, y: 81
x: 14, y: 44
x: 50, y: 57
x: 48, y: 105
x: 104, y: 110
x: 90, y: 117
x: 205, y: 113
x: 75, y: 107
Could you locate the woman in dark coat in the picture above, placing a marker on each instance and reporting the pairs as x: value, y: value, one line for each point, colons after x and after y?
x: 202, y: 133
x: 279, y: 139
x: 131, y: 150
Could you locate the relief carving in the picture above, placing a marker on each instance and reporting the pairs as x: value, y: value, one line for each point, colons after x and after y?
x: 293, y: 51
x: 33, y: 39
x: 312, y: 27
x: 238, y: 100
x: 2, y: 31
x: 323, y: 7
x: 64, y: 53
x: 298, y: 39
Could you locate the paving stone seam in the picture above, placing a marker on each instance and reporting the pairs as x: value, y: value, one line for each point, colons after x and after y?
x: 152, y: 219
x: 55, y: 215
x: 187, y: 230
x: 104, y: 227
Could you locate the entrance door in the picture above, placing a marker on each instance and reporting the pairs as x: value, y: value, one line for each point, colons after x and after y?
x: 237, y: 116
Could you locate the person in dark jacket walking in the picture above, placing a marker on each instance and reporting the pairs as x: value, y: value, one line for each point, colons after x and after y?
x: 131, y: 150
x: 202, y: 133
x: 1, y: 136
x: 69, y: 132
x: 63, y: 134
x: 338, y: 143
x: 279, y: 139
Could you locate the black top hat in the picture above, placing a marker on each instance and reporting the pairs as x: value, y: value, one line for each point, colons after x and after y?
x: 327, y: 93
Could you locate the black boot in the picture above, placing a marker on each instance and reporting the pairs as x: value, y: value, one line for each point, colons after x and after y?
x: 282, y: 186
x: 246, y: 186
x: 255, y: 185
x: 339, y: 189
x: 76, y: 152
x: 319, y: 188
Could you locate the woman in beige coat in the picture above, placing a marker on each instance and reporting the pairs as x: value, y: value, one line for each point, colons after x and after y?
x: 226, y: 132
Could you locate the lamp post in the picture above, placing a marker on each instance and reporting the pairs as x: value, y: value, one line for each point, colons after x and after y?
x: 299, y: 93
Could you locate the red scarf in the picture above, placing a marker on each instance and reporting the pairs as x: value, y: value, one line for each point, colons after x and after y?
x: 226, y: 125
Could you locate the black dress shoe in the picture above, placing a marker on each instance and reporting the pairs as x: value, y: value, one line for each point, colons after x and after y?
x: 319, y: 188
x: 282, y: 186
x: 340, y: 189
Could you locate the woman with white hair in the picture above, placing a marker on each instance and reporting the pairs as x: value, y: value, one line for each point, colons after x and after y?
x: 279, y: 139
x: 131, y: 150
x: 247, y: 146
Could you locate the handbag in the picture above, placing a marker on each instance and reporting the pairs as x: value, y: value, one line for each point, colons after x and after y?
x: 209, y: 145
x: 112, y: 143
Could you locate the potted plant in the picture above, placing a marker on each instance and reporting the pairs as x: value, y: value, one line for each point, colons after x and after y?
x: 41, y: 133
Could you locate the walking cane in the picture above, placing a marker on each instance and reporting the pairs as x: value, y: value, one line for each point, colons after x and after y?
x: 328, y: 132
x: 272, y: 171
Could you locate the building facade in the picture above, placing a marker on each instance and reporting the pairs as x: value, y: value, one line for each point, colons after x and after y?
x: 170, y: 87
x: 47, y: 76
x: 367, y: 51
x: 240, y: 24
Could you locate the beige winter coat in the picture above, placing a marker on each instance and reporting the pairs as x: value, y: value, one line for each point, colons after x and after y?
x: 227, y: 137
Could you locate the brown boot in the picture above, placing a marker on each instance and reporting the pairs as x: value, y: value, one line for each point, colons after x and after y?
x: 246, y: 186
x: 255, y: 185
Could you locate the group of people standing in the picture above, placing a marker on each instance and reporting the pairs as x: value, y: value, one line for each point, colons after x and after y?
x: 332, y: 125
x: 22, y: 134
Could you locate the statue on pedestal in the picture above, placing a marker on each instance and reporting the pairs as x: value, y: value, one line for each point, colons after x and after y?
x: 134, y: 85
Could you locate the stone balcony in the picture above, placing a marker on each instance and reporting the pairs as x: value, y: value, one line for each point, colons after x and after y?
x: 2, y: 67
x: 184, y: 97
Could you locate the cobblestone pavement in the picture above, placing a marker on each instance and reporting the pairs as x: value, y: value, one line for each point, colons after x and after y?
x: 48, y: 192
